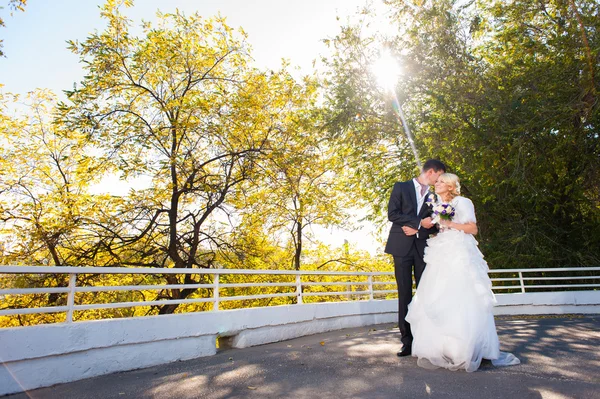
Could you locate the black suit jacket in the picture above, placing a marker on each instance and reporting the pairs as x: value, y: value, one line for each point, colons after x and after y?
x: 402, y: 211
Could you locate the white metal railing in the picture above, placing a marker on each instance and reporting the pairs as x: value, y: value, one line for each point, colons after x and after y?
x: 520, y: 277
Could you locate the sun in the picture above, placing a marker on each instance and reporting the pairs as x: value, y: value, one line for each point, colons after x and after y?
x: 386, y: 70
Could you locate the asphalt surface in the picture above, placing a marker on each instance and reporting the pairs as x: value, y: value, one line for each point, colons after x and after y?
x: 560, y: 358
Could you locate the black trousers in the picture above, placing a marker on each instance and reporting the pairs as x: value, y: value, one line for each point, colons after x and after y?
x: 403, y: 269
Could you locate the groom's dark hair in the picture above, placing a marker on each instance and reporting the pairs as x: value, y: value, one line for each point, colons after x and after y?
x: 435, y: 165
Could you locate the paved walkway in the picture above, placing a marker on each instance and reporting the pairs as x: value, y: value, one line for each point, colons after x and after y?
x: 560, y: 359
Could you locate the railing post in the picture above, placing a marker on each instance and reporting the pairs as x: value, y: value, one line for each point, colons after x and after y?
x: 299, y: 289
x: 71, y: 297
x: 371, y: 288
x: 522, y: 282
x: 216, y: 292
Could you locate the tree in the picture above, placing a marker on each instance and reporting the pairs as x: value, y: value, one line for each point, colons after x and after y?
x: 300, y: 183
x: 549, y: 147
x: 182, y: 106
x: 44, y: 198
x: 488, y: 96
x: 46, y: 209
x: 361, y: 117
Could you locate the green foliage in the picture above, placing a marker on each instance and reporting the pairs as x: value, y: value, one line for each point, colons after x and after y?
x: 242, y: 162
x: 45, y: 205
x: 238, y: 164
x: 506, y: 94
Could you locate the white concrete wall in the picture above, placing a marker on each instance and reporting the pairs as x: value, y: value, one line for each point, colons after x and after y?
x: 45, y: 355
x: 580, y: 302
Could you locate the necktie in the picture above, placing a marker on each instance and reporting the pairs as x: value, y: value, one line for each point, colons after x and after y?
x: 424, y: 189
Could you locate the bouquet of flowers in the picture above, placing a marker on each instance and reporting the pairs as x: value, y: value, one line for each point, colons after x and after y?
x: 442, y: 211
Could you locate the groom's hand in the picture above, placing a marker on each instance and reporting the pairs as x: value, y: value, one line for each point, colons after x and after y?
x: 426, y: 223
x: 409, y: 231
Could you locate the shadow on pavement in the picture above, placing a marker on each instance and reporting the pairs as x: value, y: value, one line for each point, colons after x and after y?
x: 560, y: 359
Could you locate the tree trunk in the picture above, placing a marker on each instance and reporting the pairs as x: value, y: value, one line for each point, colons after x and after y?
x: 180, y: 294
x: 298, y: 245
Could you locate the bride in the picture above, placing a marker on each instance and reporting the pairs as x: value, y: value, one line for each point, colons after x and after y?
x: 451, y: 314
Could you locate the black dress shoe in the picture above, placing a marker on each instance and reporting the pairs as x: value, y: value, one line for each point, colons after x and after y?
x: 406, y: 351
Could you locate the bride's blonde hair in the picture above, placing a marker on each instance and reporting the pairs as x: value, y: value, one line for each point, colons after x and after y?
x: 452, y: 180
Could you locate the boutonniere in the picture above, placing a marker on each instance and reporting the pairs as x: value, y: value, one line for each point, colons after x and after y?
x: 431, y: 200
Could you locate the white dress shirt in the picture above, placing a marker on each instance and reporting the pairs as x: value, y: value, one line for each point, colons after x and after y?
x: 420, y: 198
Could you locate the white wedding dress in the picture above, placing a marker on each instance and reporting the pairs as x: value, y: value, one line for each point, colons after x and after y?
x: 450, y: 315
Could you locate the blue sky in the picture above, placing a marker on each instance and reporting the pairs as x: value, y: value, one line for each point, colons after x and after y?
x: 37, y: 57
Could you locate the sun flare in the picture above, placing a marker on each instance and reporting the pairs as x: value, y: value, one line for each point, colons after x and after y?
x: 386, y: 70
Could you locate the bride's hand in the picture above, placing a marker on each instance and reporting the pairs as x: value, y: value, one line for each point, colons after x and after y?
x: 445, y: 223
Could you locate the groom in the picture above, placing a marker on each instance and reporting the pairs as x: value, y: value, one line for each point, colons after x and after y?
x: 411, y: 226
